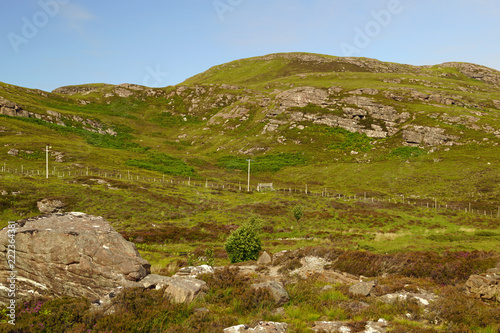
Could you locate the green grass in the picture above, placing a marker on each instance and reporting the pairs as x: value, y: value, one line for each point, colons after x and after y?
x: 162, y: 163
x: 270, y: 163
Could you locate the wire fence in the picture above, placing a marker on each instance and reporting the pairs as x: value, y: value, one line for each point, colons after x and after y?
x: 324, y: 192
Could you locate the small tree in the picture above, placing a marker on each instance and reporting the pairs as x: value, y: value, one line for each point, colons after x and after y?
x: 298, y: 213
x: 244, y: 243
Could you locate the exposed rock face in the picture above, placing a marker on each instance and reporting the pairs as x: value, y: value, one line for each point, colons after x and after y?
x: 476, y: 71
x: 486, y: 285
x: 302, y: 96
x: 71, y: 254
x: 263, y: 326
x: 49, y: 206
x: 123, y: 92
x: 431, y: 136
x: 11, y: 109
x: 72, y: 90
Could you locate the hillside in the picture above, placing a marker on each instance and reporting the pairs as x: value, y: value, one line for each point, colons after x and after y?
x: 350, y: 124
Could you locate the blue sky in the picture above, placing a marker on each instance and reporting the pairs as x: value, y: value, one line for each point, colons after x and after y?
x: 46, y: 44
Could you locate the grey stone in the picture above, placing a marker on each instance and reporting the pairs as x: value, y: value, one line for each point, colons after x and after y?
x: 49, y: 206
x: 422, y: 299
x: 362, y: 288
x: 194, y: 271
x: 263, y: 326
x: 276, y: 289
x: 264, y: 259
x: 185, y: 290
x: 330, y: 326
x: 379, y: 326
x: 13, y: 152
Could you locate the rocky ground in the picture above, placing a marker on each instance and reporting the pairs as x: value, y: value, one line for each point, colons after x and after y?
x: 79, y: 255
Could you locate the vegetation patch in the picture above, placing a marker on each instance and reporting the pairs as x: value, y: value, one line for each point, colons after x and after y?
x: 405, y: 153
x: 162, y: 163
x: 272, y: 163
x: 446, y: 268
x: 168, y: 119
x: 315, y: 109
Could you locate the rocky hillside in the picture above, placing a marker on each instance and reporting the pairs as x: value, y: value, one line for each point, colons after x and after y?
x: 327, y: 109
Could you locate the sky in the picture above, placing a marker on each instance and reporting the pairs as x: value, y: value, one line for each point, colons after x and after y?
x: 46, y: 44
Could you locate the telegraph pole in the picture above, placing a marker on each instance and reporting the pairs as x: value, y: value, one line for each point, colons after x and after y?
x: 47, y: 160
x: 248, y: 186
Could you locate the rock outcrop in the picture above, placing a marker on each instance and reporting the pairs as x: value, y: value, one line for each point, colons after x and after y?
x: 70, y: 254
x: 49, y: 206
x: 486, y: 285
x: 430, y: 136
x: 9, y: 108
x: 302, y: 96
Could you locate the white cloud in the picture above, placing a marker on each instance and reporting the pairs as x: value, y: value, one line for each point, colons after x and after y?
x: 74, y: 12
x: 76, y: 17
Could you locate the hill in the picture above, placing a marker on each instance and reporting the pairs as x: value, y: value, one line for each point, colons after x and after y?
x: 353, y: 125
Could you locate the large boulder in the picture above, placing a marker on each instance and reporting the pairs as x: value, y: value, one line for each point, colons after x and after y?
x: 486, y: 285
x: 185, y: 289
x: 71, y: 254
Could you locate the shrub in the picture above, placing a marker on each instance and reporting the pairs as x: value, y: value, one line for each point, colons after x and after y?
x: 244, y: 243
x: 298, y: 213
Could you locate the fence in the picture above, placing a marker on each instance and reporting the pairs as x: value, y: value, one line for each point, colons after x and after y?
x: 324, y: 192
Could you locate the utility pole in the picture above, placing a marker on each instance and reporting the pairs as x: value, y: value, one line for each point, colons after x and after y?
x: 47, y: 161
x: 248, y: 186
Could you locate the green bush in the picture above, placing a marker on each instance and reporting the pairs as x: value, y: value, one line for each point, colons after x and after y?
x: 244, y: 243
